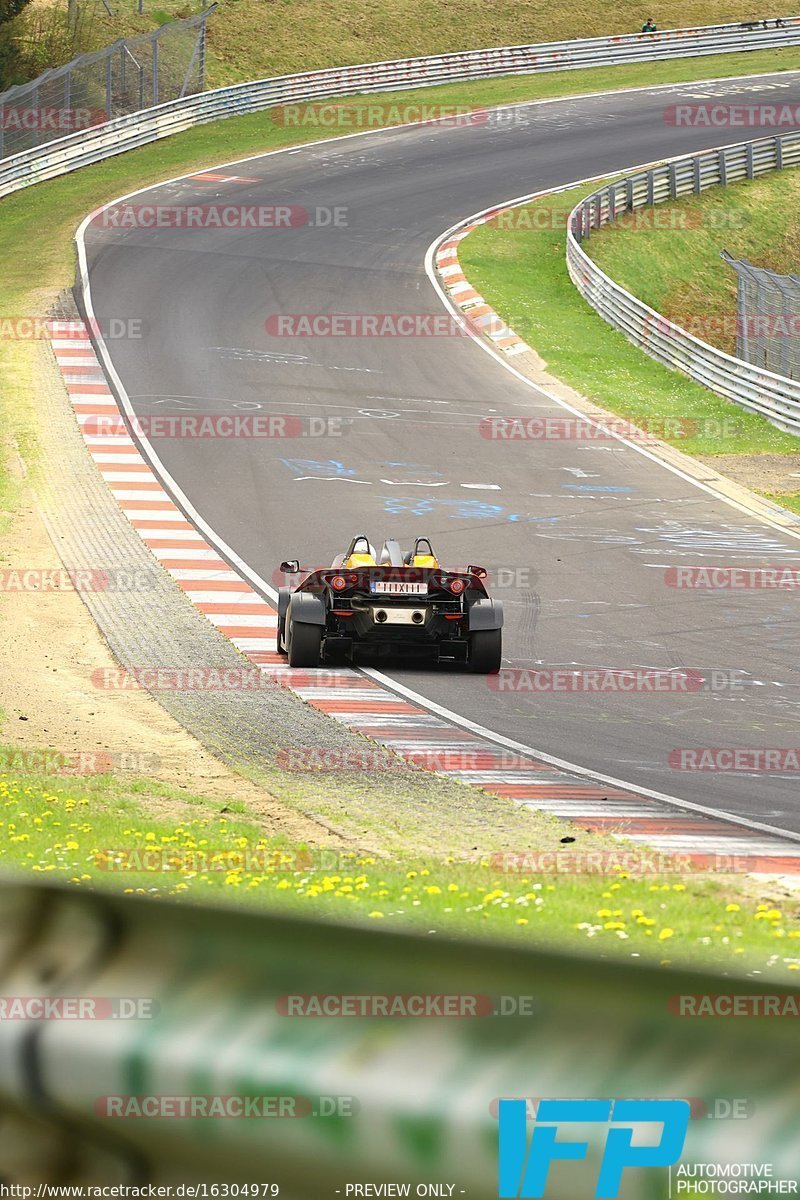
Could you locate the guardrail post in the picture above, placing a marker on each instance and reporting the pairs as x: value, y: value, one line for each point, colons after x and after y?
x: 201, y: 60
x: 612, y: 204
x: 262, y: 94
x: 722, y: 165
x: 587, y: 220
x: 108, y: 88
x: 769, y: 387
x: 37, y: 124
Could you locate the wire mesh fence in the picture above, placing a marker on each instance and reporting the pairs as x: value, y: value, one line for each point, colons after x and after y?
x: 767, y: 318
x: 130, y: 74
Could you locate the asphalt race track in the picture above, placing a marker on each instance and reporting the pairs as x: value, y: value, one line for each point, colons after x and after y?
x: 591, y: 528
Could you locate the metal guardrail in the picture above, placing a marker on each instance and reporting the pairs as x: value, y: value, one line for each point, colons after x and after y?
x: 139, y: 129
x: 420, y: 1089
x: 773, y: 396
x: 597, y: 1027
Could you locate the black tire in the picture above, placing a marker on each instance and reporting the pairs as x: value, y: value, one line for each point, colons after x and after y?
x: 304, y: 643
x: 281, y: 635
x: 485, y: 651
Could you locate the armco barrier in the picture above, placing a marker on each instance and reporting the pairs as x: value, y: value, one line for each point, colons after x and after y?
x: 138, y: 129
x: 415, y: 1094
x: 773, y: 396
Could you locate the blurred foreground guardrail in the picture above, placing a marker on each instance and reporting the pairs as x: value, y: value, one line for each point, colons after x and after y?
x: 139, y: 129
x: 375, y: 1099
x: 773, y: 396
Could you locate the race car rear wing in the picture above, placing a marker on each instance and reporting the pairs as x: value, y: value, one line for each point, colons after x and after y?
x: 417, y: 581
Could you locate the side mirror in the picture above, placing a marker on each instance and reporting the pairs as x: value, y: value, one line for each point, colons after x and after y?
x: 478, y: 572
x: 291, y: 566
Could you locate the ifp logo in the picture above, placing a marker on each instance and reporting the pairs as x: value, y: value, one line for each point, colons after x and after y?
x: 523, y: 1169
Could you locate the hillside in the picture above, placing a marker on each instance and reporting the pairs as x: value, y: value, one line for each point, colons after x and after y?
x: 253, y: 38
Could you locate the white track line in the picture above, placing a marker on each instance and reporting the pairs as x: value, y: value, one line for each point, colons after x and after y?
x: 262, y: 585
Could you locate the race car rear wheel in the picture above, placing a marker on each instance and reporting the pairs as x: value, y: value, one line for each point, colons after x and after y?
x: 304, y: 643
x: 281, y: 635
x: 485, y: 651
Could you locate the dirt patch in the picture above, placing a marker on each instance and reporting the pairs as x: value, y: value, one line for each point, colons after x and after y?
x: 771, y: 473
x: 48, y: 650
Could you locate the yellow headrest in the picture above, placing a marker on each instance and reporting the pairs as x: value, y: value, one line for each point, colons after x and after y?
x: 360, y: 560
x: 424, y: 560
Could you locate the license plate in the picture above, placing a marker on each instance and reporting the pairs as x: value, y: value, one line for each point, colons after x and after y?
x: 390, y: 588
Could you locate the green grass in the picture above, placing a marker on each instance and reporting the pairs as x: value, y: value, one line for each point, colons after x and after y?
x: 679, y: 271
x: 249, y: 39
x: 43, y: 218
x: 86, y: 832
x: 522, y: 273
x: 791, y: 501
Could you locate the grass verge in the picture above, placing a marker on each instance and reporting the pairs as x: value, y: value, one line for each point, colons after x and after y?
x: 43, y: 219
x: 248, y: 39
x: 95, y: 835
x: 678, y: 270
x: 522, y: 273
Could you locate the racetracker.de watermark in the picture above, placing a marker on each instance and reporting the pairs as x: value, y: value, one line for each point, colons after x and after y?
x: 737, y: 115
x: 33, y: 329
x: 733, y: 1005
x: 179, y: 679
x: 221, y: 216
x: 615, y: 681
x: 621, y: 863
x: 726, y: 579
x: 365, y: 325
x: 223, y: 426
x: 566, y: 429
x: 78, y: 1008
x: 216, y: 1107
x: 496, y: 579
x: 62, y: 579
x: 76, y: 762
x: 15, y: 119
x: 407, y: 1005
x: 720, y: 1108
x: 446, y: 759
x: 715, y: 326
x: 775, y: 759
x: 373, y: 114
x: 201, y: 860
x: 541, y: 218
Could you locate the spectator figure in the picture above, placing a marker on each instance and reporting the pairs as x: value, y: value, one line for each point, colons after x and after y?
x: 780, y: 23
x: 649, y: 26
